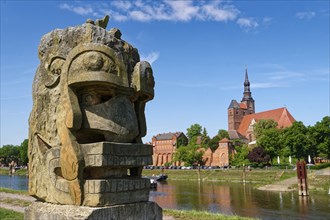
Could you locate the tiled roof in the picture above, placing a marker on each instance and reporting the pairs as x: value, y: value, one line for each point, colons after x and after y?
x: 233, y: 134
x: 224, y: 140
x: 242, y: 105
x: 234, y: 104
x: 167, y: 136
x: 281, y: 115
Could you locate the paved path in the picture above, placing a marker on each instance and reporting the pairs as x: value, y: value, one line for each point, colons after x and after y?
x: 285, y: 185
x: 15, y: 208
x: 282, y: 186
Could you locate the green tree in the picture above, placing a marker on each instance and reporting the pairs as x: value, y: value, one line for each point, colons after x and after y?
x: 9, y: 153
x: 182, y: 141
x: 271, y: 142
x: 268, y: 137
x: 295, y: 140
x: 319, y: 135
x: 194, y: 131
x: 205, y: 139
x: 189, y: 155
x: 23, y: 151
x: 240, y: 158
x: 263, y: 125
x: 223, y: 134
x: 214, y: 143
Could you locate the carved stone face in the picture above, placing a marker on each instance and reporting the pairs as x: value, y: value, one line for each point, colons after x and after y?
x: 88, y: 119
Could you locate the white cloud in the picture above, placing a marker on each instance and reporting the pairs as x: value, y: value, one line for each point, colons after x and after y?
x: 182, y: 10
x: 123, y: 5
x: 267, y: 85
x: 247, y: 23
x: 80, y: 10
x: 139, y: 16
x: 305, y: 15
x: 151, y: 57
x: 217, y: 13
x: 267, y: 21
x: 167, y: 10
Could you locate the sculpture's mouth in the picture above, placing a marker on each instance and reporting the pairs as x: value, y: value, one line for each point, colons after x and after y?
x: 109, y: 172
x: 115, y: 167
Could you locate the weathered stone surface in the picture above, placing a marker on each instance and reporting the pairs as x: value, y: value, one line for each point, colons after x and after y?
x: 87, y: 121
x: 136, y: 211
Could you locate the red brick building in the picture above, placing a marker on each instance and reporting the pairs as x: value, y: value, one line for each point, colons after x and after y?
x: 164, y: 146
x: 242, y: 116
x: 281, y: 115
x: 220, y: 157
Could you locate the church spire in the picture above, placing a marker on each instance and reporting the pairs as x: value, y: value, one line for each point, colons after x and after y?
x: 246, y: 82
x: 247, y: 97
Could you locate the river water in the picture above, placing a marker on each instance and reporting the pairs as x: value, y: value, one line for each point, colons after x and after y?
x: 226, y: 198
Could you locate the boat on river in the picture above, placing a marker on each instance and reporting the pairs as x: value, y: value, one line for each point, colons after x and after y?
x: 160, y: 178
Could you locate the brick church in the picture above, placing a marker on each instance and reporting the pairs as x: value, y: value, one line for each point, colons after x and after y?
x: 242, y: 116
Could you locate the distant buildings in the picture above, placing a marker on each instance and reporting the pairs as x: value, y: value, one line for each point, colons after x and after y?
x: 241, y: 118
x: 164, y: 146
x: 220, y: 157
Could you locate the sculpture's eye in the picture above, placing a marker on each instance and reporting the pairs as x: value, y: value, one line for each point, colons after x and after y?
x: 96, y: 61
x: 56, y: 66
x: 93, y: 61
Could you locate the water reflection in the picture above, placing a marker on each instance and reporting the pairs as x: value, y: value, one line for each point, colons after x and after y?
x: 227, y: 198
x: 14, y: 182
x: 240, y: 199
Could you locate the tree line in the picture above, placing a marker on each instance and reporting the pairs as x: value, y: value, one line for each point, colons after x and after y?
x: 16, y: 153
x: 296, y: 142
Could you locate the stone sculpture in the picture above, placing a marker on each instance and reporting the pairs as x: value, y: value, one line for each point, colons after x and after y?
x: 87, y: 121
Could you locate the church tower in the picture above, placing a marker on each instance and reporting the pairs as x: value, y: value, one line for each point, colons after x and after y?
x: 247, y: 98
x: 236, y: 111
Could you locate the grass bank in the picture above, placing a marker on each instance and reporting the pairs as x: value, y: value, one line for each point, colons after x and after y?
x: 6, y: 214
x: 13, y: 191
x: 5, y: 171
x: 198, y: 215
x: 256, y: 176
x: 176, y: 214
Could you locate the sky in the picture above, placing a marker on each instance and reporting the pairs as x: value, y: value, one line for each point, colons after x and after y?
x: 198, y: 50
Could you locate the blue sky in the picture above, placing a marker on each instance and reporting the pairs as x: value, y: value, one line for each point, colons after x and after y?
x: 198, y: 50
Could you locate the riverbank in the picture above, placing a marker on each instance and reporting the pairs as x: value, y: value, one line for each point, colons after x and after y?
x: 12, y: 205
x: 271, y: 179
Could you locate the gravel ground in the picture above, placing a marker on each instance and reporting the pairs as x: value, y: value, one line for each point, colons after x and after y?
x: 16, y: 208
x: 4, y: 195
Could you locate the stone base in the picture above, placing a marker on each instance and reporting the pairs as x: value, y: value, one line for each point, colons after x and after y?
x: 49, y: 211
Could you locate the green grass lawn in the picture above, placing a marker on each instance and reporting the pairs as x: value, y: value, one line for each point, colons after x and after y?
x: 231, y: 175
x: 6, y: 214
x: 199, y: 215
